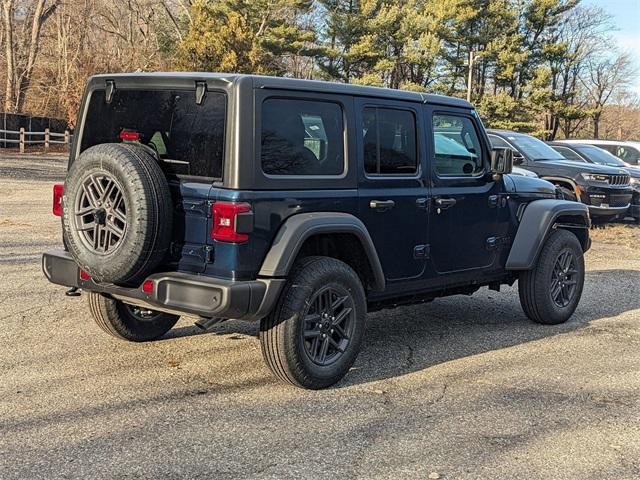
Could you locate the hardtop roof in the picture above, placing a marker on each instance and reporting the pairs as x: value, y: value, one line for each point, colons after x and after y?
x: 260, y: 81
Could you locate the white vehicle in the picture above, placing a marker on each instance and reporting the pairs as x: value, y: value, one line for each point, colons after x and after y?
x: 627, y: 151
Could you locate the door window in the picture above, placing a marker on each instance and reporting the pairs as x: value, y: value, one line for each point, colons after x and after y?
x: 301, y: 137
x: 458, y: 151
x: 389, y: 137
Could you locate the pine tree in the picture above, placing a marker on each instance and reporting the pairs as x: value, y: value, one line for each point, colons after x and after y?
x: 243, y: 36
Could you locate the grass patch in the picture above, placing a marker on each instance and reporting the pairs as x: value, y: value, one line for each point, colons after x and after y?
x: 627, y: 235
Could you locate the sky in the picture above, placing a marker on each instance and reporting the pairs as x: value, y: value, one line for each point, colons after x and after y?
x: 626, y: 17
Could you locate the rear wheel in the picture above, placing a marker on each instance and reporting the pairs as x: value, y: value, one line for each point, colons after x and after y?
x: 550, y: 292
x: 313, y: 336
x: 129, y: 322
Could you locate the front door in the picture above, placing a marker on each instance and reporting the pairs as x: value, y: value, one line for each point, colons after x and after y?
x: 463, y: 220
x: 392, y: 194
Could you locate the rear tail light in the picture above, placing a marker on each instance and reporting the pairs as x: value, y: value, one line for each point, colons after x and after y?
x: 58, y: 191
x: 129, y: 136
x: 226, y: 224
x: 84, y: 275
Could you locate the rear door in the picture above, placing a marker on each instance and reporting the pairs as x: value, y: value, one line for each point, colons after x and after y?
x: 188, y: 137
x: 392, y: 194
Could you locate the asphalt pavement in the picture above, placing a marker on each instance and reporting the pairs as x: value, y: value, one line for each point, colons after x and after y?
x: 461, y: 388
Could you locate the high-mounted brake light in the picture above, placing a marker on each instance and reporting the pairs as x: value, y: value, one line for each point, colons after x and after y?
x: 225, y: 221
x: 58, y: 192
x: 129, y: 136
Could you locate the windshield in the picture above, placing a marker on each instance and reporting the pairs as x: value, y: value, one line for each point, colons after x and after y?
x: 597, y: 155
x: 533, y: 148
x: 188, y: 137
x: 448, y: 146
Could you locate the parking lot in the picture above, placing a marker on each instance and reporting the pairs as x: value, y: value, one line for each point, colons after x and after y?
x: 462, y: 388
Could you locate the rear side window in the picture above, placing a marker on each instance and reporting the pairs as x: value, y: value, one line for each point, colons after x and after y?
x: 568, y: 153
x: 497, y: 142
x: 301, y: 137
x: 389, y: 138
x: 628, y: 154
x: 457, y: 148
x: 188, y: 137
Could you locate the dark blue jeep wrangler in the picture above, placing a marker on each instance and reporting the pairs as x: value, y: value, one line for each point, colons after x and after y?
x: 300, y: 204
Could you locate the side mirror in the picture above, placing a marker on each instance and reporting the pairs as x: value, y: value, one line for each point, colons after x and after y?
x: 501, y: 161
x: 518, y: 159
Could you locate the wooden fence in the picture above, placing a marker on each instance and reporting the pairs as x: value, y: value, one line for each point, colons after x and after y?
x: 45, y: 138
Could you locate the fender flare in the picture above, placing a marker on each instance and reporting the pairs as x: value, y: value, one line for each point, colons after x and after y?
x: 298, y: 228
x: 537, y: 220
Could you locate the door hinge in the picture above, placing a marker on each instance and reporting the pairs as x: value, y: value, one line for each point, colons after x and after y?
x: 421, y: 251
x: 496, y: 201
x: 201, y: 91
x: 201, y: 207
x: 496, y: 243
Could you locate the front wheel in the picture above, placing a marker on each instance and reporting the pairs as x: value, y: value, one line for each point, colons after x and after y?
x: 314, y: 333
x: 129, y: 322
x: 550, y: 292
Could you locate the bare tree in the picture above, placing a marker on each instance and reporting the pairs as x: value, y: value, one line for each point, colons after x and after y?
x: 605, y: 77
x: 22, y: 52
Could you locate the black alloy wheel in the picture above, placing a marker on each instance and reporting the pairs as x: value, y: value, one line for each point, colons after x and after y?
x: 328, y: 325
x: 563, y: 283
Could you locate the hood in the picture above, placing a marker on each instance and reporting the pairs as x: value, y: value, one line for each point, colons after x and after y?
x: 634, y: 172
x: 581, y: 167
x: 522, y: 184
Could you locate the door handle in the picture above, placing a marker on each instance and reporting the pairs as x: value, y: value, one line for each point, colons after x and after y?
x: 382, y: 204
x: 445, y: 202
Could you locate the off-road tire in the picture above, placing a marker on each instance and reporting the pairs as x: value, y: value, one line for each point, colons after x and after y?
x: 116, y: 318
x: 281, y: 333
x: 149, y: 215
x: 534, y: 286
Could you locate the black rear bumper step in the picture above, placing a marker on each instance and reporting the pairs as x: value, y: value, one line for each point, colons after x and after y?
x: 176, y: 292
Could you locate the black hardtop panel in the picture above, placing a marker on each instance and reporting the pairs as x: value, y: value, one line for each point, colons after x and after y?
x: 186, y: 79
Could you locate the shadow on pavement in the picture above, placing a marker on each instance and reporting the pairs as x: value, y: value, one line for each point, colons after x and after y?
x: 417, y: 337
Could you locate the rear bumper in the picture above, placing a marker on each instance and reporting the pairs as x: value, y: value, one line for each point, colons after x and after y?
x: 176, y: 292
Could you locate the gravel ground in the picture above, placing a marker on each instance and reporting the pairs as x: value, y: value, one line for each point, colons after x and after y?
x: 464, y: 387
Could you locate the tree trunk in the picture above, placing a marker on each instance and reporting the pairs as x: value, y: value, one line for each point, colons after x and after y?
x: 40, y: 15
x: 596, y: 125
x: 10, y: 89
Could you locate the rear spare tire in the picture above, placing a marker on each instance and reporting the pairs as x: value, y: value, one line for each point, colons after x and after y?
x: 117, y: 215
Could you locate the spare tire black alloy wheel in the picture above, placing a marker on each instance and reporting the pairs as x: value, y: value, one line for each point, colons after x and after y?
x: 101, y: 213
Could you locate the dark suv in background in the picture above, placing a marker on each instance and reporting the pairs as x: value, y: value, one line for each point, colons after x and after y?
x: 581, y: 152
x: 605, y: 190
x: 302, y: 205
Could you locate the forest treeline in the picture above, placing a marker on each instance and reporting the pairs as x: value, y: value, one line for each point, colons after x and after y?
x: 544, y: 66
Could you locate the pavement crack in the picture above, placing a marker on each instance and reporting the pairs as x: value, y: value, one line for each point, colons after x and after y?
x: 409, y: 361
